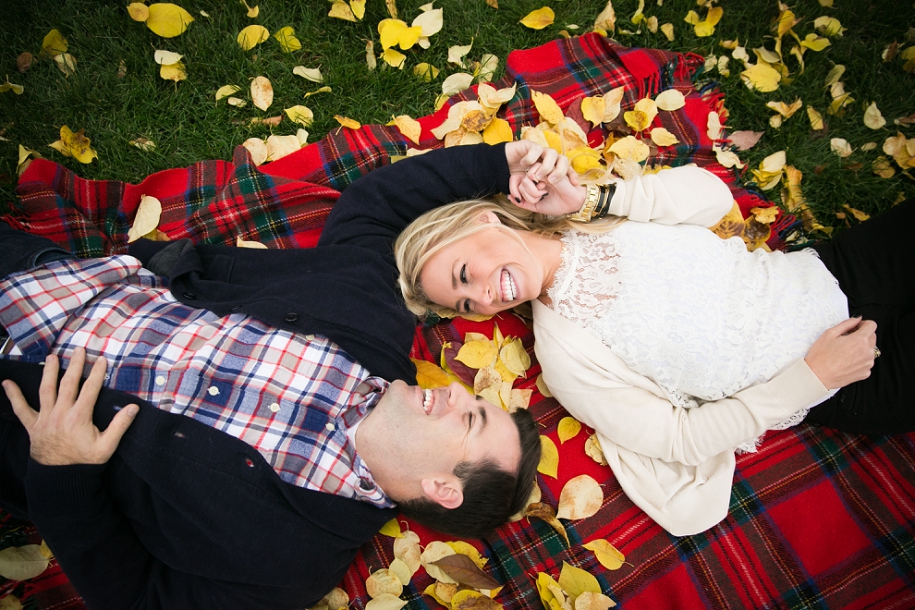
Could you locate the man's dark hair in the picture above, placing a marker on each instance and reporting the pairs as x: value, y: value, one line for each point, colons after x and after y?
x: 491, y: 495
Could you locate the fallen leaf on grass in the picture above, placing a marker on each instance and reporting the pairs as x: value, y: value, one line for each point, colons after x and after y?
x: 8, y: 86
x: 75, y: 145
x: 144, y: 144
x: 288, y: 42
x: 261, y: 92
x: 840, y: 146
x: 53, y: 44
x: 300, y: 114
x: 252, y: 36
x: 745, y: 140
x: 168, y: 20
x: 539, y: 19
x: 873, y: 118
x: 226, y: 91
x: 24, y: 61
x: 66, y: 63
x: 311, y: 74
x: 258, y: 150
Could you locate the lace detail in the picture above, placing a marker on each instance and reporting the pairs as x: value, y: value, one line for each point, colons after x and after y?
x: 704, y: 323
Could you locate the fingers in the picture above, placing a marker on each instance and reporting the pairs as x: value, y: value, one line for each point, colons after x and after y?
x: 93, y: 385
x: 109, y: 439
x: 69, y: 385
x: 47, y: 391
x: 26, y: 414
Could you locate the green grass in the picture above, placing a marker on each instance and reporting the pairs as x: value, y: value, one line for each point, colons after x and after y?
x: 187, y: 125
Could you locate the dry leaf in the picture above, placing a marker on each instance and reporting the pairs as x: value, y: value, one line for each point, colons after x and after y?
x: 745, y: 140
x: 370, y: 55
x: 402, y: 571
x: 873, y: 118
x: 66, y: 63
x: 630, y: 148
x: 519, y: 399
x: 456, y: 53
x: 300, y: 114
x: 337, y: 599
x: 261, y: 92
x: 254, y: 245
x: 434, y: 551
x: 407, y: 550
x: 606, y: 19
x: 477, y: 354
x: 257, y: 148
x: 662, y: 137
x: 383, y: 581
x: 429, y: 376
x: 312, y: 74
x: 144, y: 144
x: 840, y: 147
x: 392, y: 529
x: 568, y: 428
x: 341, y: 10
x: 668, y: 30
x: 280, y: 146
x: 462, y: 569
x: 168, y: 20
x: 138, y: 11
x: 226, y: 90
x: 22, y: 562
x: 24, y: 61
x: 237, y: 102
x: 816, y: 119
x: 8, y: 86
x: 456, y: 83
x: 385, y: 601
x: 670, y: 100
x: 425, y: 72
x: 883, y: 168
x: 149, y: 211
x: 515, y: 357
x: 761, y: 76
x: 575, y: 581
x: 252, y: 36
x: 288, y: 42
x: 858, y: 214
x: 539, y: 19
x: 409, y: 127
x: 75, y: 145
x: 607, y: 554
x: 594, y: 451
x: 593, y: 601
x: 546, y: 513
x: 580, y: 498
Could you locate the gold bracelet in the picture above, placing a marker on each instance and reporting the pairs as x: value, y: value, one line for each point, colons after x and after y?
x: 587, y: 208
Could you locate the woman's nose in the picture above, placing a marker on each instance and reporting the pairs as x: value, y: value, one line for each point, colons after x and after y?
x: 485, y: 295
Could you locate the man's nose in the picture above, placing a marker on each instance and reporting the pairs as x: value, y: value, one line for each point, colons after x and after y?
x: 458, y: 396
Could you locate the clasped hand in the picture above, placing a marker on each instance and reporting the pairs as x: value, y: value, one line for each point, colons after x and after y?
x: 542, y: 180
x: 61, y: 431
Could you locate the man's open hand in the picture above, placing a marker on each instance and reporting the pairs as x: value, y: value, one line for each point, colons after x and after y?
x: 62, y: 431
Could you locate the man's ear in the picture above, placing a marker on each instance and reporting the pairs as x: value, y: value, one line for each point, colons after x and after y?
x: 446, y: 491
x: 489, y: 217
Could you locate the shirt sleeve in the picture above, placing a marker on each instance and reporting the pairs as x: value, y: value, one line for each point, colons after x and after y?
x: 681, y: 195
x: 36, y: 305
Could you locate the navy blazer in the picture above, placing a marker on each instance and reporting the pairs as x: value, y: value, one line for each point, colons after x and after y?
x: 185, y: 516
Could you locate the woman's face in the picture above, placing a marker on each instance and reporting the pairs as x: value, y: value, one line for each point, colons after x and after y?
x: 484, y: 273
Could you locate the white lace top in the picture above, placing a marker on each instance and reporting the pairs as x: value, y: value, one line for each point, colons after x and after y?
x: 700, y: 316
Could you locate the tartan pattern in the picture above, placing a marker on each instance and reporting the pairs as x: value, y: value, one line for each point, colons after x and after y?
x: 292, y: 397
x: 818, y: 519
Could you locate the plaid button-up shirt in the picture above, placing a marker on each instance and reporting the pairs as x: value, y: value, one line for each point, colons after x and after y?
x: 294, y: 398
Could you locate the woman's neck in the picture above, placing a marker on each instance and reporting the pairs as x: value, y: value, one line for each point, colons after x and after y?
x: 547, y: 249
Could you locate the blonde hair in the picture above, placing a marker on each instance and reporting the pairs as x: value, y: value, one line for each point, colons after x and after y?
x: 448, y: 224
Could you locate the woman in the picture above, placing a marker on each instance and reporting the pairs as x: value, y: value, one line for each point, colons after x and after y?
x: 676, y: 346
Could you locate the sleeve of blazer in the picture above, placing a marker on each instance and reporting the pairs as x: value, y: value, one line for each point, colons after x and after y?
x: 377, y: 207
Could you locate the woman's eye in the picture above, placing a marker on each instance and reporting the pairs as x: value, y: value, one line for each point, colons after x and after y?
x: 463, y: 274
x: 467, y: 306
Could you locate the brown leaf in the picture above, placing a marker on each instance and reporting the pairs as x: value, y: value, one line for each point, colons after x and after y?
x: 25, y: 61
x: 745, y: 140
x: 906, y: 120
x: 462, y: 569
x: 271, y: 121
x: 546, y: 512
x: 476, y: 602
x: 493, y: 3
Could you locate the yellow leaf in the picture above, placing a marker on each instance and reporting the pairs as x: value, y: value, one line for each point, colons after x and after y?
x: 392, y: 8
x: 580, y: 498
x: 54, y: 43
x: 146, y: 219
x: 347, y: 122
x: 592, y: 108
x: 300, y: 114
x: 828, y: 26
x: 175, y: 72
x: 692, y: 18
x: 714, y: 15
x: 394, y: 58
x: 542, y: 387
x: 607, y: 554
x: 434, y: 551
x: 24, y: 161
x: 606, y: 19
x: 873, y: 118
x: 310, y: 74
x: 138, y: 11
x: 370, y: 61
x: 515, y: 357
x: 22, y: 562
x: 814, y: 42
x: 261, y: 92
x: 341, y: 10
x: 883, y: 168
x: 539, y: 19
x: 409, y: 127
x: 288, y: 41
x: 254, y: 245
x: 662, y: 137
x: 430, y: 22
x: 784, y: 109
x: 168, y: 20
x: 8, y: 86
x: 464, y: 548
x: 668, y: 30
x: 396, y: 32
x: 670, y: 100
x: 549, y: 457
x: 237, y: 102
x: 630, y: 148
x: 252, y: 11
x: 456, y: 83
x: 425, y: 72
x: 358, y: 7
x: 257, y: 148
x: 858, y: 214
x: 575, y: 581
x: 546, y: 587
x: 477, y: 354
x: 835, y: 73
x: 385, y: 601
x: 593, y: 601
x: 727, y: 158
x: 547, y: 107
x: 762, y: 77
x: 252, y: 36
x: 585, y: 160
x: 499, y: 130
x: 75, y: 145
x: 430, y: 376
x: 816, y: 119
x: 568, y: 428
x: 226, y: 90
x: 592, y: 445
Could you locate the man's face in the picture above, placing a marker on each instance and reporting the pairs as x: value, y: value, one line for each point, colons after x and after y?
x: 426, y: 433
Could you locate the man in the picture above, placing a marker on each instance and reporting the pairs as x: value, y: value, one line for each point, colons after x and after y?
x: 265, y: 451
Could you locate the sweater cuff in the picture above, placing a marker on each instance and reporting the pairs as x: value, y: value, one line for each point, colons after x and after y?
x: 56, y: 490
x: 144, y: 249
x: 798, y: 387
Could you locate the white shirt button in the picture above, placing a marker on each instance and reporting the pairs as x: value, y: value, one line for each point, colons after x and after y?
x: 274, y: 407
x: 213, y: 391
x: 160, y: 380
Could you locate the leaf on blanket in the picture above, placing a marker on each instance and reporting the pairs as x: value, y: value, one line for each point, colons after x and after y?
x: 580, y: 498
x: 22, y: 562
x: 146, y: 219
x: 429, y: 376
x: 463, y: 569
x: 254, y: 245
x: 473, y: 600
x: 546, y: 513
x: 406, y: 549
x: 608, y: 555
x: 534, y: 498
x: 575, y: 581
x: 549, y: 457
x: 593, y: 601
x: 594, y: 451
x: 434, y: 551
x: 337, y: 599
x: 257, y: 148
x: 383, y: 581
x: 568, y: 428
x: 347, y: 122
x: 386, y: 601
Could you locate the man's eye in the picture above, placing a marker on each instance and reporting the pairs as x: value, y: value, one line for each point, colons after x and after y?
x: 470, y: 422
x: 467, y: 306
x: 463, y: 274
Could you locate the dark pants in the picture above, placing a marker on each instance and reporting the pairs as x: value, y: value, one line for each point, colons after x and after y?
x: 874, y: 263
x: 21, y: 251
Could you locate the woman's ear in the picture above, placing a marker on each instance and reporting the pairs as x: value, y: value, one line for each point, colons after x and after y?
x: 489, y: 217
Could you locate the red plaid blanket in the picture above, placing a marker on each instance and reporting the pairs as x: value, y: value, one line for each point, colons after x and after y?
x: 818, y: 519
